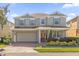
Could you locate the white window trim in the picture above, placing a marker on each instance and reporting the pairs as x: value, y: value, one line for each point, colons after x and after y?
x: 41, y: 21
x: 56, y: 17
x: 58, y: 20
x: 32, y: 20
x: 23, y: 21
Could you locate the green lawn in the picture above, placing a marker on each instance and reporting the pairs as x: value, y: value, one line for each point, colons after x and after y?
x: 2, y: 45
x: 40, y: 49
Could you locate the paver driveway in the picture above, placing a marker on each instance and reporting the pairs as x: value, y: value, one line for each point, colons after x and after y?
x: 20, y: 48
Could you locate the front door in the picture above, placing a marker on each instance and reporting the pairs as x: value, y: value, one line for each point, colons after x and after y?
x: 43, y: 36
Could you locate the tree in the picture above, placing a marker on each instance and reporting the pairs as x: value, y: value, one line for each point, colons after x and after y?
x: 3, y: 18
x: 3, y: 13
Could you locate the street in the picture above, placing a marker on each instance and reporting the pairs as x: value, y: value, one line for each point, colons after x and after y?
x: 45, y: 54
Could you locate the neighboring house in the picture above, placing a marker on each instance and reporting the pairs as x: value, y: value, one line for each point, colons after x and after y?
x: 7, y: 29
x: 74, y: 27
x: 36, y: 27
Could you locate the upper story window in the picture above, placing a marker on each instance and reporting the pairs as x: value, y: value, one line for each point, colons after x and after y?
x: 32, y: 22
x: 56, y: 20
x: 42, y: 21
x: 21, y: 22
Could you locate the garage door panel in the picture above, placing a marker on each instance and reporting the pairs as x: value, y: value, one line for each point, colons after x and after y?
x: 26, y: 36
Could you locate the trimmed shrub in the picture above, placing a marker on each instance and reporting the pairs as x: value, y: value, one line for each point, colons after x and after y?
x: 51, y: 43
x: 66, y: 41
x: 70, y: 44
x: 6, y: 40
x: 63, y: 43
x: 1, y: 41
x: 58, y: 42
x: 75, y: 43
x: 38, y: 45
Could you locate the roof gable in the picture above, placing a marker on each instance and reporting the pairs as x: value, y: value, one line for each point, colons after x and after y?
x: 25, y: 16
x: 73, y: 20
x: 57, y: 14
x: 38, y: 15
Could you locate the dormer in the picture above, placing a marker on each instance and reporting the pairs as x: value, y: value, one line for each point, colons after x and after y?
x: 57, y: 19
x: 25, y: 21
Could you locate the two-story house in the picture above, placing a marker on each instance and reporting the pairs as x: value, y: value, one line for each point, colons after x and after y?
x: 74, y: 27
x: 37, y: 27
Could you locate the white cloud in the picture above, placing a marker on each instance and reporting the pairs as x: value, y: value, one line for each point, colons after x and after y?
x: 68, y: 5
x: 70, y: 16
x: 11, y: 19
x: 14, y: 15
x: 11, y: 16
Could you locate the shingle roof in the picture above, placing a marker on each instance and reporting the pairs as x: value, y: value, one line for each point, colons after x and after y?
x: 25, y: 16
x: 57, y: 13
x: 73, y: 19
x: 38, y: 15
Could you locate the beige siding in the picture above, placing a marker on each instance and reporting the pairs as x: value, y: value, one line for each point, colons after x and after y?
x: 72, y: 30
x: 78, y: 23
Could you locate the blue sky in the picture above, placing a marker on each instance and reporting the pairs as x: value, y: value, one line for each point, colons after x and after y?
x: 17, y: 9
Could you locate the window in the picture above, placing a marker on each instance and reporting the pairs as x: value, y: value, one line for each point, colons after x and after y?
x: 21, y: 22
x: 57, y: 20
x: 32, y: 22
x: 42, y: 21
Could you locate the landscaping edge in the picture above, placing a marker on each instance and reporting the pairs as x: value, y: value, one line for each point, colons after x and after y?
x: 40, y: 49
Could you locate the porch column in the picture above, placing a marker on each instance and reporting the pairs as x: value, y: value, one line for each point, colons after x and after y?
x: 64, y: 33
x: 56, y: 34
x: 39, y: 37
x: 48, y: 33
x: 14, y: 36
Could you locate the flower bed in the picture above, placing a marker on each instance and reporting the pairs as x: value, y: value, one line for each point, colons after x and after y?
x: 58, y: 43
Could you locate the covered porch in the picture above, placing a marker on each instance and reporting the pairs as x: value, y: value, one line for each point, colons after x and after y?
x: 46, y: 33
